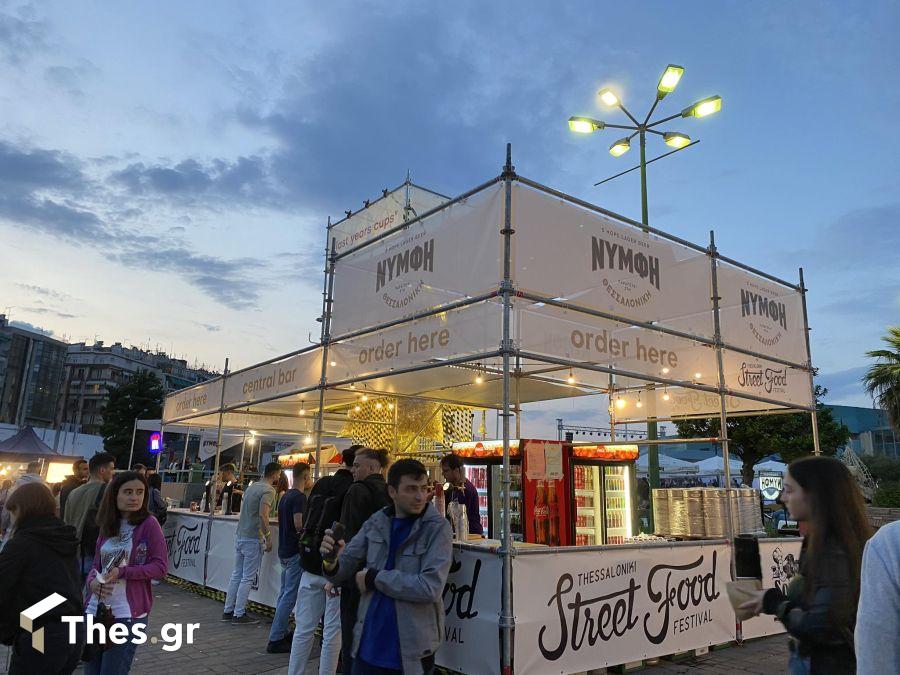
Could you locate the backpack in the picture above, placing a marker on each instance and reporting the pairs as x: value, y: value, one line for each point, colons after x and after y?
x: 91, y: 530
x: 323, y: 508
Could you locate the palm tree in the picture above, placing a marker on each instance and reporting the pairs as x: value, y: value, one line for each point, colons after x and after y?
x: 882, y: 380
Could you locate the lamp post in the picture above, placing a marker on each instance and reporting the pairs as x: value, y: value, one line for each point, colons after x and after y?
x: 586, y: 125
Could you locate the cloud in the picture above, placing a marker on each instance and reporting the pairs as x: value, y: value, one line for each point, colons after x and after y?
x: 843, y: 384
x: 46, y: 292
x: 46, y: 191
x: 24, y: 325
x: 20, y: 37
x: 245, y: 180
x: 209, y: 327
x: 70, y: 78
x: 47, y: 310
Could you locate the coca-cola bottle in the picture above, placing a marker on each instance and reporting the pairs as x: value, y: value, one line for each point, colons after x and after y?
x: 541, y: 514
x: 553, y: 504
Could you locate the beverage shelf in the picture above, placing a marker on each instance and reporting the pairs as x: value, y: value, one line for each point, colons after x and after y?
x: 585, y: 493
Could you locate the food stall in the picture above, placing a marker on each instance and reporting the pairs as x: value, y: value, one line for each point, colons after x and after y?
x: 514, y: 293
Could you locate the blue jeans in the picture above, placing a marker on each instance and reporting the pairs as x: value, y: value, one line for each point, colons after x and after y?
x: 798, y: 665
x: 117, y: 659
x: 247, y: 558
x: 290, y: 580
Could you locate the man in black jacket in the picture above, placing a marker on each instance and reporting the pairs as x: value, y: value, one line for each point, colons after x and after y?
x: 367, y: 495
x: 78, y: 478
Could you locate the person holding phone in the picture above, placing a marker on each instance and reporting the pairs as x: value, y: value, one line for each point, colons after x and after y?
x: 131, y: 552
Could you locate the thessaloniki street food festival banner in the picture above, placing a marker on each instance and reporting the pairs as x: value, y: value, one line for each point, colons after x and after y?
x: 586, y: 609
x: 447, y: 257
x: 471, y: 609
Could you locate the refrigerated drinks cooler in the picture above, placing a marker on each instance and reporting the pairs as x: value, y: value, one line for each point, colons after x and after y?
x: 587, y: 499
x: 484, y: 466
x: 602, y: 501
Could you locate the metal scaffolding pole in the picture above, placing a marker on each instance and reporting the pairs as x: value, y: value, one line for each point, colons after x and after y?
x: 133, y: 435
x: 812, y: 385
x: 214, y: 488
x: 507, y: 619
x: 723, y: 414
x: 326, y: 336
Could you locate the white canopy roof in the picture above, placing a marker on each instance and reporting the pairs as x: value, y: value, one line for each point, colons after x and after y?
x: 717, y: 465
x: 667, y: 462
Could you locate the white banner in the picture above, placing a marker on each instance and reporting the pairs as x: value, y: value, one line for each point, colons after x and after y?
x: 208, y: 444
x: 186, y: 540
x: 666, y: 403
x: 474, y: 329
x: 266, y: 585
x: 383, y: 214
x: 452, y: 255
x: 583, y: 609
x: 779, y: 561
x: 760, y: 315
x: 573, y: 335
x: 758, y: 377
x: 198, y: 399
x: 297, y: 372
x: 565, y: 251
x: 471, y: 609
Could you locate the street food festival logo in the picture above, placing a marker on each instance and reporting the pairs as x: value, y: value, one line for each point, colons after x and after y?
x: 187, y: 545
x: 756, y: 376
x: 678, y: 597
x: 459, y: 600
x: 401, y: 272
x: 768, y: 317
x: 626, y: 255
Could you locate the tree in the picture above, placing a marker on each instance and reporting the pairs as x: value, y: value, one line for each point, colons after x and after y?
x: 140, y: 398
x: 753, y: 438
x: 882, y: 380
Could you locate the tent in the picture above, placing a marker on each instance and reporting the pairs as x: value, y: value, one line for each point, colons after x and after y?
x: 717, y: 465
x: 668, y: 464
x: 26, y: 443
x: 771, y: 465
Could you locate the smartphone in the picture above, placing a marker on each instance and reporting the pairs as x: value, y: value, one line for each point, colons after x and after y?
x: 337, y: 533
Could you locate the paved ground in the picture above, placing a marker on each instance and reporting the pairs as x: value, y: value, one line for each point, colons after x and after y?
x: 222, y: 648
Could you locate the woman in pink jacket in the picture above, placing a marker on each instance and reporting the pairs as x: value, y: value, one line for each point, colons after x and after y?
x: 131, y: 552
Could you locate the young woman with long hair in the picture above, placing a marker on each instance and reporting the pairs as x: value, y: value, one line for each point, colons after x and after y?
x: 819, y: 608
x: 40, y: 558
x: 130, y: 535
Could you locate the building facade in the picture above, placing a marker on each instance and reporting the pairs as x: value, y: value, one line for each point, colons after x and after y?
x: 32, y: 369
x: 871, y: 432
x: 92, y: 370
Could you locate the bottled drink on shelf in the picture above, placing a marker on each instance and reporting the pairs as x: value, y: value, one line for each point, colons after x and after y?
x: 553, y: 504
x: 541, y: 514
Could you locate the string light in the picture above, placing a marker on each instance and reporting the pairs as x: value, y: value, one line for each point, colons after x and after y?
x: 308, y: 439
x: 390, y: 406
x: 479, y: 379
x: 571, y: 378
x: 665, y: 371
x: 378, y: 406
x: 333, y: 364
x: 697, y: 375
x: 365, y: 398
x: 357, y: 408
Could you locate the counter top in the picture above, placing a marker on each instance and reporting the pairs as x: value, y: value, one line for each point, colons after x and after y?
x: 218, y: 516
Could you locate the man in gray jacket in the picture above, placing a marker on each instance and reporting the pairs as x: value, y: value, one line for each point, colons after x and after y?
x: 400, y: 560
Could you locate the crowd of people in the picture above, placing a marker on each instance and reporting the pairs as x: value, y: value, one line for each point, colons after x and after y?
x: 366, y: 553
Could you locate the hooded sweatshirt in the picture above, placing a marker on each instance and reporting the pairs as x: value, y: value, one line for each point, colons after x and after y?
x: 39, y: 559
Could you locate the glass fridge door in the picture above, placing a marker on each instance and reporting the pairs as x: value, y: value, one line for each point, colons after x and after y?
x: 515, y: 502
x: 618, y: 504
x: 478, y: 475
x: 588, y: 505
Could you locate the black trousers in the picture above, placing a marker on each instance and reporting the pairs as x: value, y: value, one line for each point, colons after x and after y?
x: 350, y: 598
x: 59, y: 657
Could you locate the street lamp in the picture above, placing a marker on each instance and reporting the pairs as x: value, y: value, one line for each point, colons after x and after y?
x: 668, y: 82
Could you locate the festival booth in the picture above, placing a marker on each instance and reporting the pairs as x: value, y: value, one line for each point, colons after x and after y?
x: 514, y: 293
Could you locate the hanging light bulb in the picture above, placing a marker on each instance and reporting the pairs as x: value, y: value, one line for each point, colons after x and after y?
x: 639, y: 403
x: 571, y: 378
x: 333, y: 364
x: 308, y: 439
x: 666, y: 396
x: 378, y: 405
x: 479, y: 379
x: 620, y: 403
x: 365, y: 397
x: 390, y: 406
x: 353, y: 385
x: 697, y: 376
x: 357, y: 408
x: 302, y: 410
